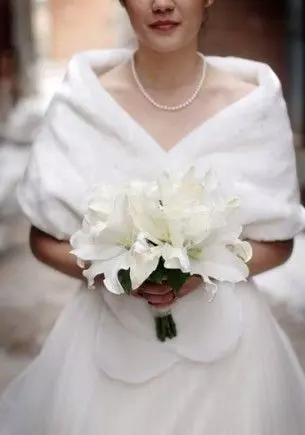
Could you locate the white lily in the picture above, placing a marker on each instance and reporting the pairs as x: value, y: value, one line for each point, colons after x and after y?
x: 217, y: 262
x: 143, y: 260
x: 106, y: 245
x: 222, y: 255
x: 148, y: 216
x: 176, y: 258
x: 207, y: 233
x: 101, y: 203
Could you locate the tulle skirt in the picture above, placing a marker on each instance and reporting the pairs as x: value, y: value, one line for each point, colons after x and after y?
x: 258, y: 389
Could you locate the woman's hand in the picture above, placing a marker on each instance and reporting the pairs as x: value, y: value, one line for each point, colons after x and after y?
x: 162, y: 296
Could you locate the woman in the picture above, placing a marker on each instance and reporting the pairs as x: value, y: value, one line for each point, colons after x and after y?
x: 120, y: 116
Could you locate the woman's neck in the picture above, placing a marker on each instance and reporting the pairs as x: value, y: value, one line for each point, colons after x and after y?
x: 167, y: 71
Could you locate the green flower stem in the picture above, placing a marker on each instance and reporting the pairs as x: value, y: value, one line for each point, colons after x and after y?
x: 165, y: 327
x: 172, y: 325
x: 175, y: 278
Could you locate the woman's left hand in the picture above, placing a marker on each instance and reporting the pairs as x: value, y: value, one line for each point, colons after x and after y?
x: 156, y: 296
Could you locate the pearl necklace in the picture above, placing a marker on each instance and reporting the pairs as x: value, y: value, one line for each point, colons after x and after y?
x: 163, y: 106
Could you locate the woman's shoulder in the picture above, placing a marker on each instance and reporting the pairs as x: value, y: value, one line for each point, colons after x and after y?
x: 229, y: 87
x: 116, y: 81
x: 234, y: 86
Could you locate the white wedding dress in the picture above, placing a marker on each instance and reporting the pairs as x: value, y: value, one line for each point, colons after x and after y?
x: 231, y: 370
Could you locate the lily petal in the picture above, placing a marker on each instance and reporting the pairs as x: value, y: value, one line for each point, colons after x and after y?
x: 111, y: 269
x: 140, y: 272
x: 243, y: 250
x: 176, y: 258
x: 89, y: 247
x: 220, y: 263
x: 96, y: 268
x: 91, y: 252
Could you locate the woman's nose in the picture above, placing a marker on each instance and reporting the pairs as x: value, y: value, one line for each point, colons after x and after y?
x: 163, y: 6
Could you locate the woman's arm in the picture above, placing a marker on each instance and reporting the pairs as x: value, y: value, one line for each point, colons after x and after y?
x: 268, y: 255
x: 54, y: 253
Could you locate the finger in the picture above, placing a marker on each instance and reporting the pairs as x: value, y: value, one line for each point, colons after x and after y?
x: 184, y: 291
x: 157, y: 299
x: 137, y: 295
x: 194, y: 281
x: 156, y: 289
x: 192, y: 284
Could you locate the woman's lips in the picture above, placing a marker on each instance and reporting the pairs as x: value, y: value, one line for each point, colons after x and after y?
x: 164, y: 25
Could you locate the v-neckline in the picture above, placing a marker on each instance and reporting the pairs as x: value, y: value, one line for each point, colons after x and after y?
x: 130, y: 128
x: 222, y: 113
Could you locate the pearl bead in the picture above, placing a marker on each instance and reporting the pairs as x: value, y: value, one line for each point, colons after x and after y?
x: 162, y: 106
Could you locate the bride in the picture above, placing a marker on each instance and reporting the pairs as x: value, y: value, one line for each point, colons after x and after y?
x: 121, y: 114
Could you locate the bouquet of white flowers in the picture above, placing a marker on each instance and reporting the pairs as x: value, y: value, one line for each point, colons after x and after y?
x: 162, y: 231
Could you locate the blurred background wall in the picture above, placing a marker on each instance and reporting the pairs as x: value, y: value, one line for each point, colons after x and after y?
x: 17, y: 54
x: 37, y: 38
x: 269, y: 31
x: 71, y: 20
x: 7, y: 56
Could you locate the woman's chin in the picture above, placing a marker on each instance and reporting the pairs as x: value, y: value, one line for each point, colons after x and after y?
x: 165, y: 45
x: 168, y: 43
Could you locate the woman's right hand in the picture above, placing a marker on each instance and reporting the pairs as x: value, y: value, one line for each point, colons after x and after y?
x: 157, y: 295
x: 162, y: 296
